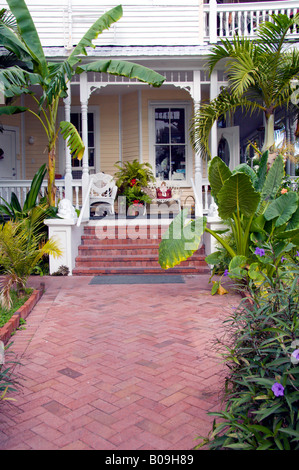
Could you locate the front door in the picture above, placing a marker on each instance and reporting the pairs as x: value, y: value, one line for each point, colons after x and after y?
x: 229, y: 145
x: 8, y: 154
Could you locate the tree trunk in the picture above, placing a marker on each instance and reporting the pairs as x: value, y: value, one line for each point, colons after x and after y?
x: 269, y: 140
x: 51, y: 177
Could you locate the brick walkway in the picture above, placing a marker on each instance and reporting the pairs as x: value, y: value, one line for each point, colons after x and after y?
x: 116, y: 367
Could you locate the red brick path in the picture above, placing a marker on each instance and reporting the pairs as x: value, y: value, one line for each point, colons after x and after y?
x: 118, y: 367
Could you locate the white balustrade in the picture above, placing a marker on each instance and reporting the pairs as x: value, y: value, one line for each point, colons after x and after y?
x: 21, y: 188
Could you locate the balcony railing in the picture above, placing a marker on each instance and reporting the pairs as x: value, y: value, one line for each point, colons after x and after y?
x: 62, y: 23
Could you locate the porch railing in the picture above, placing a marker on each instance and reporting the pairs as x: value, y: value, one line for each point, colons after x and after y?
x: 21, y: 188
x: 143, y: 22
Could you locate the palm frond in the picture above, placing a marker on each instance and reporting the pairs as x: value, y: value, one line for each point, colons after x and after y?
x: 271, y: 35
x: 209, y: 113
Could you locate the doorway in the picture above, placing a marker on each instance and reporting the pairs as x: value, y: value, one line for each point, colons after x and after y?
x: 229, y: 145
x: 8, y: 154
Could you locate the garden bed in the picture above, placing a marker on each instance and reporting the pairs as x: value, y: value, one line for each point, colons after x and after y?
x: 13, y: 323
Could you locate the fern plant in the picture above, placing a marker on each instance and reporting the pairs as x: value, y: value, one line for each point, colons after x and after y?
x: 22, y: 246
x: 133, y: 174
x: 131, y: 178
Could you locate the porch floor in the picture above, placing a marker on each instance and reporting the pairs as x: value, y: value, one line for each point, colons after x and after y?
x: 116, y: 367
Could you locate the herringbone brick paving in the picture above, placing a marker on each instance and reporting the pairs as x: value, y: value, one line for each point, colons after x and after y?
x: 116, y: 367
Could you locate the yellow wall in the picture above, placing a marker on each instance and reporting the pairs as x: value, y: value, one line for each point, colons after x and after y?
x: 108, y: 152
x: 130, y: 132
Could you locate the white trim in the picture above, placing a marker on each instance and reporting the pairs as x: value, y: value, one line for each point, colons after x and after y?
x: 187, y: 105
x: 120, y: 129
x: 140, y: 126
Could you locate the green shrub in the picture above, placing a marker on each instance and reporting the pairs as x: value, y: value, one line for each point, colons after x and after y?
x: 262, y: 354
x: 8, y: 381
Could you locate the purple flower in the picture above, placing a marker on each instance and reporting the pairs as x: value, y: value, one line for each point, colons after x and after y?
x: 259, y: 251
x: 278, y: 389
x: 297, y: 253
x: 295, y: 354
x: 225, y: 272
x: 282, y: 259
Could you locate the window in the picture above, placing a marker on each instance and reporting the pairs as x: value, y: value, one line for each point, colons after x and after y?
x: 170, y: 143
x: 76, y: 120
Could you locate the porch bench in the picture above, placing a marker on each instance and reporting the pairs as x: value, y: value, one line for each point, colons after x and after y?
x: 164, y: 193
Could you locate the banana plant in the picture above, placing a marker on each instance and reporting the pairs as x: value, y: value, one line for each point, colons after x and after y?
x: 52, y: 78
x: 251, y: 208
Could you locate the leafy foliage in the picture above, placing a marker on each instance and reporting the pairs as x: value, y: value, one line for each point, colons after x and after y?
x: 261, y: 351
x: 131, y: 179
x: 8, y: 381
x: 259, y: 73
x: 22, y: 246
x: 254, y: 213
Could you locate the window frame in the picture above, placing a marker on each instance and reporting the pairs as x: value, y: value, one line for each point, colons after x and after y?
x: 187, y: 106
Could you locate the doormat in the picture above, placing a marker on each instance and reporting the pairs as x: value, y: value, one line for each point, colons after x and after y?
x: 138, y: 279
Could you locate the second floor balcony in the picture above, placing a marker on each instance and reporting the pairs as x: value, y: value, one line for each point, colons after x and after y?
x: 62, y: 23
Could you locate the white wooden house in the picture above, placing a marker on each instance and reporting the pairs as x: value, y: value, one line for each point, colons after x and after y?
x: 119, y: 118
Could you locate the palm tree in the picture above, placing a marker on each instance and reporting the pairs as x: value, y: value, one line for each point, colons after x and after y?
x: 259, y: 75
x: 52, y: 78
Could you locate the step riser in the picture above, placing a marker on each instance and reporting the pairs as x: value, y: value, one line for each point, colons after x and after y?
x: 140, y: 271
x: 128, y: 264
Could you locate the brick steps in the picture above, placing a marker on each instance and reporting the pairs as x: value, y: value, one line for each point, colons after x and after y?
x: 101, y: 270
x: 126, y: 255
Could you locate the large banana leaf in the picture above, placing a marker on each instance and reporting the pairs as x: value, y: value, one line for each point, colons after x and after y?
x: 35, y: 187
x: 237, y: 196
x: 16, y: 80
x: 125, y: 69
x: 181, y: 240
x: 293, y: 223
x: 9, y: 110
x: 74, y: 141
x: 12, y: 43
x: 218, y: 174
x: 262, y: 171
x: 104, y: 22
x: 273, y: 180
x: 282, y: 208
x: 29, y: 34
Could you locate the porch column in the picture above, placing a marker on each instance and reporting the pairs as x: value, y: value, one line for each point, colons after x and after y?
x: 68, y: 178
x: 140, y: 125
x: 213, y: 21
x: 84, y: 96
x: 213, y: 95
x: 198, y: 159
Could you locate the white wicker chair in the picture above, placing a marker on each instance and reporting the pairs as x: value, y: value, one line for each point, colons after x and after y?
x: 102, y: 193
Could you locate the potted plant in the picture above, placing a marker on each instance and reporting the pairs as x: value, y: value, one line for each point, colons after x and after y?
x: 132, y: 178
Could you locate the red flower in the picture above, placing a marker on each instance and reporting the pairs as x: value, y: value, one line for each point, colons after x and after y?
x: 136, y: 202
x: 133, y: 182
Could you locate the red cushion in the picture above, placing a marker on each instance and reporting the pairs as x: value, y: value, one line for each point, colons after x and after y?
x: 164, y: 194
